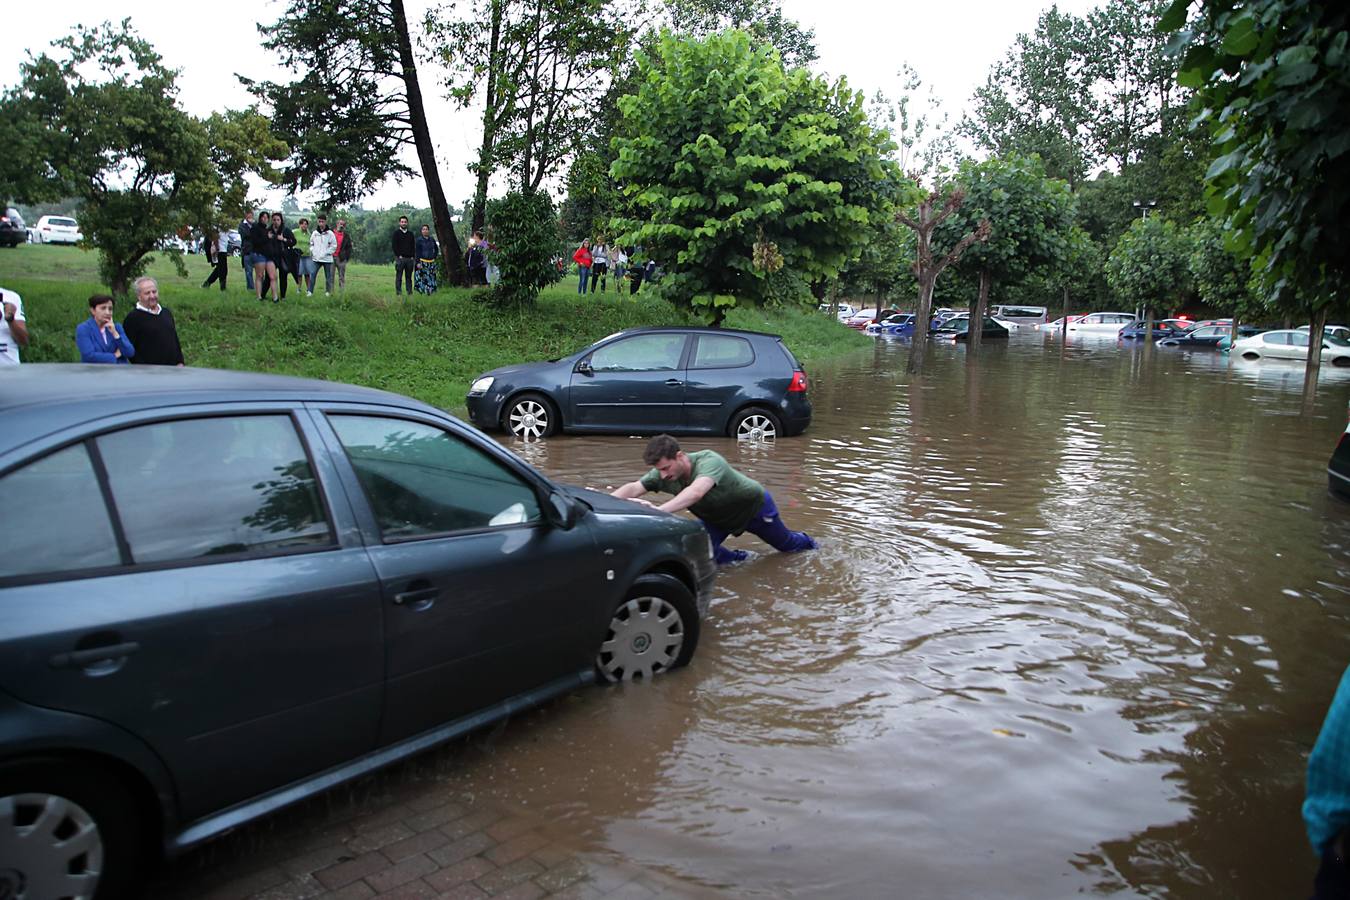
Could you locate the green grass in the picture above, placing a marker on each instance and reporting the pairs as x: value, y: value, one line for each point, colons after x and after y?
x: 427, y: 347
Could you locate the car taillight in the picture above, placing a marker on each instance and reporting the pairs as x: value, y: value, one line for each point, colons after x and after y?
x: 798, y: 385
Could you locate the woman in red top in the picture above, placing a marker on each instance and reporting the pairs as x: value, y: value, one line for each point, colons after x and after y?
x: 583, y: 260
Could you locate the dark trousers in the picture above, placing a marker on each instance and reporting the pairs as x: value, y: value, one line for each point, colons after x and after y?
x: 220, y: 272
x: 248, y: 269
x: 766, y: 525
x: 403, y: 268
x: 1333, y: 877
x: 636, y: 275
x: 599, y: 275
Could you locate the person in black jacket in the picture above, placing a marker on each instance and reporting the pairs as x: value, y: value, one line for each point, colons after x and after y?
x: 151, y: 329
x: 405, y: 255
x: 264, y: 264
x: 280, y: 241
x: 344, y: 252
x: 246, y: 248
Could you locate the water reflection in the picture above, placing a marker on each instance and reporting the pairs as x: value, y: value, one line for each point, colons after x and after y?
x: 1076, y: 615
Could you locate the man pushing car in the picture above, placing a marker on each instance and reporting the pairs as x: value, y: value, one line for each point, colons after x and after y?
x: 724, y: 500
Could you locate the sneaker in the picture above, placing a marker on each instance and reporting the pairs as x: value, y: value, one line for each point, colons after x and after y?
x: 309, y: 293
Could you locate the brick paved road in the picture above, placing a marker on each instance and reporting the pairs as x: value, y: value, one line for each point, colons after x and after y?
x: 400, y: 834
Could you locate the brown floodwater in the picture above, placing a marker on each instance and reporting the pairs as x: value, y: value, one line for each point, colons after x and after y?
x: 1074, y: 622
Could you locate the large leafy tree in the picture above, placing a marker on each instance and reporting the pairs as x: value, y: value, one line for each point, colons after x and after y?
x: 354, y: 107
x: 1150, y: 265
x: 100, y: 120
x: 1030, y: 217
x: 763, y: 20
x: 1273, y: 79
x: 748, y: 181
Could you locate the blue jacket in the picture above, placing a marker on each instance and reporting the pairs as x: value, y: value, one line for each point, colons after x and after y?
x: 96, y: 347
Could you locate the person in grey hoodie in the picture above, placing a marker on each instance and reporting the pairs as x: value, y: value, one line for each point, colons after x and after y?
x: 322, y: 246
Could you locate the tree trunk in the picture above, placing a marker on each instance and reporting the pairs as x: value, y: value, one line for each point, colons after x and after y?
x: 1064, y: 317
x: 1148, y: 324
x: 451, y: 256
x: 975, y: 333
x: 485, y: 150
x: 1233, y: 332
x: 918, y: 346
x: 1315, y: 332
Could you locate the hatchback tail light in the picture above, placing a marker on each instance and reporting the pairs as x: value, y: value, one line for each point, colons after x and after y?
x: 798, y: 385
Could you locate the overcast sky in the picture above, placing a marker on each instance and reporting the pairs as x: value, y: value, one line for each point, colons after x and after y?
x: 951, y: 44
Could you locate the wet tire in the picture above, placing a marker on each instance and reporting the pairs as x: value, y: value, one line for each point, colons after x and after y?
x: 82, y: 835
x: 755, y: 424
x: 1251, y: 356
x: 1341, y: 361
x: 531, y: 417
x: 653, y: 629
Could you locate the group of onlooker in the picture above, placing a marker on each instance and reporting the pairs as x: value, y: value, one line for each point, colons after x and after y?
x: 270, y: 250
x: 416, y: 260
x: 596, y: 262
x: 148, y: 335
x: 478, y: 260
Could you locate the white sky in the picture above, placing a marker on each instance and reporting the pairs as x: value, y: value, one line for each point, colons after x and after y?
x: 951, y: 44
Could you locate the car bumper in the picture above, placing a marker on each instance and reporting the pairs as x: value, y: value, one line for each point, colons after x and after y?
x: 484, y: 411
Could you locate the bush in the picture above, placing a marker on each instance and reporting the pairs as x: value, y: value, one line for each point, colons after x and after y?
x: 524, y: 239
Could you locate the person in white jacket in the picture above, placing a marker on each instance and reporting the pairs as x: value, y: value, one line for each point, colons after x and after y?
x: 322, y: 246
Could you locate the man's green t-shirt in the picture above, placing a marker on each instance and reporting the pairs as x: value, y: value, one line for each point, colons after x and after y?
x: 302, y: 242
x: 733, y: 500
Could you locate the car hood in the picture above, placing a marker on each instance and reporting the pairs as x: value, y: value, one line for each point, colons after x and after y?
x: 602, y: 502
x: 527, y: 368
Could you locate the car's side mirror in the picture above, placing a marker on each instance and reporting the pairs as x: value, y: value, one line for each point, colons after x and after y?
x: 562, y: 511
x: 584, y: 367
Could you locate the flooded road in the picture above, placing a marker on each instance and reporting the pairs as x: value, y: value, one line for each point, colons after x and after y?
x: 1075, y: 620
x: 1074, y: 623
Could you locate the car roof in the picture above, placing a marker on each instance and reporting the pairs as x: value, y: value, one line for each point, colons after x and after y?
x: 40, y: 398
x: 701, y: 329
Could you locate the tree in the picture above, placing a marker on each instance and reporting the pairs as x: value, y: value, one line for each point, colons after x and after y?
x: 355, y: 107
x: 763, y: 20
x: 540, y: 67
x: 525, y: 240
x: 1030, y: 216
x: 928, y: 264
x: 242, y: 144
x: 1273, y: 80
x: 1133, y: 78
x: 750, y: 182
x: 102, y: 122
x: 1150, y: 265
x: 917, y: 125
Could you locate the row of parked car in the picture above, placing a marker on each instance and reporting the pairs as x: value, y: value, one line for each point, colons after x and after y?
x: 48, y: 230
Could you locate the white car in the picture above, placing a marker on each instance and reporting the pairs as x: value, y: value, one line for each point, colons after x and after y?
x: 1340, y: 331
x: 843, y: 311
x: 1292, y: 344
x: 1102, y: 323
x: 58, y: 230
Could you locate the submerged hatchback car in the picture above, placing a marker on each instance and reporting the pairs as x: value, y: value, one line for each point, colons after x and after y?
x: 650, y: 380
x: 221, y: 593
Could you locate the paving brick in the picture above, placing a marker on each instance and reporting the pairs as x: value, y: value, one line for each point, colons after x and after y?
x: 509, y: 876
x: 517, y: 848
x: 357, y: 890
x: 440, y: 815
x: 346, y: 872
x: 314, y: 860
x: 464, y: 892
x: 413, y: 890
x: 245, y: 885
x: 472, y: 845
x: 379, y: 817
x: 417, y: 843
x: 552, y: 855
x: 424, y: 799
x: 631, y: 891
x: 579, y: 891
x: 453, y: 876
x: 379, y: 838
x: 466, y: 825
x: 563, y: 875
x: 301, y: 888
x: 508, y: 828
x: 409, y: 869
x: 526, y: 891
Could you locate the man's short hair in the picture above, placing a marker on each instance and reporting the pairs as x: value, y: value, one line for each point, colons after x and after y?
x: 663, y: 446
x: 136, y: 285
x: 323, y: 218
x: 100, y: 299
x: 403, y: 218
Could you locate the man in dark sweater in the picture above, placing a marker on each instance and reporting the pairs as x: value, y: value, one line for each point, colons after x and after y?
x: 152, y: 327
x: 404, y: 255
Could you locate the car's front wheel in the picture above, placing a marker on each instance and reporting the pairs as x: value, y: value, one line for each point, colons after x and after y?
x: 755, y: 424
x: 653, y: 629
x: 66, y: 831
x: 531, y: 417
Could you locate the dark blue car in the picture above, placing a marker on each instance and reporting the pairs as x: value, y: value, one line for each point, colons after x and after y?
x: 1207, y: 336
x: 1163, y: 329
x: 651, y: 380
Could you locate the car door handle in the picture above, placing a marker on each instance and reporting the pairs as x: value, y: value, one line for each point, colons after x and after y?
x: 83, y: 659
x: 673, y: 382
x: 418, y: 598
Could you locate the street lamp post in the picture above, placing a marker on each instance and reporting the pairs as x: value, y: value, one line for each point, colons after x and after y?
x: 1144, y: 206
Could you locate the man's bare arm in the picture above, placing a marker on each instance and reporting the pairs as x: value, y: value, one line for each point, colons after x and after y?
x: 690, y: 495
x: 629, y: 491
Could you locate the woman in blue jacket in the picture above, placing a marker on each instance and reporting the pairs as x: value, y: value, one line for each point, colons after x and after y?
x: 97, y: 337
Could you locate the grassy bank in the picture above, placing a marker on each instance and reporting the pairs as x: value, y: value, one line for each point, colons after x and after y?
x: 426, y: 347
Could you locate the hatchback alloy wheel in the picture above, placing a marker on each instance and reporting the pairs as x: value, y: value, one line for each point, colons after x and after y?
x: 50, y: 846
x: 529, y: 420
x: 756, y: 427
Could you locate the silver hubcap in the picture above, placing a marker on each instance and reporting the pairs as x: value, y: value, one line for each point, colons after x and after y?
x: 645, y: 637
x: 528, y: 419
x: 756, y: 428
x: 50, y: 847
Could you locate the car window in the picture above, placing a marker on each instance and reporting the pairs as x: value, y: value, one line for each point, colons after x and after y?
x: 1275, y: 337
x: 722, y: 351
x: 1336, y: 340
x: 422, y: 481
x: 641, y: 353
x: 53, y: 518
x: 1299, y: 339
x: 208, y: 487
x: 64, y: 222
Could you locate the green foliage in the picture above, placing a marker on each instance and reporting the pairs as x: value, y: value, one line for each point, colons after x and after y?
x: 592, y: 198
x: 1222, y: 278
x: 763, y: 20
x: 101, y: 122
x: 1030, y: 214
x: 719, y: 142
x: 242, y: 144
x: 1150, y: 265
x: 524, y: 238
x: 1274, y: 82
